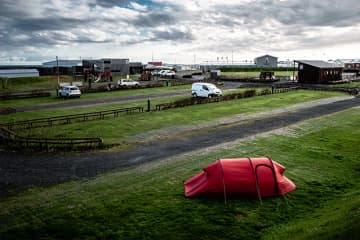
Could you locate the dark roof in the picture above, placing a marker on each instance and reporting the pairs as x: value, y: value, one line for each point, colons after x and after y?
x: 267, y: 55
x: 319, y: 64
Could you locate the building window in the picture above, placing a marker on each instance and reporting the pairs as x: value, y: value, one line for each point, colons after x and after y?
x: 107, y: 62
x: 267, y: 61
x: 301, y: 67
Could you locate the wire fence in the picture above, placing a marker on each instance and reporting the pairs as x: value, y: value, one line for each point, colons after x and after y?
x: 25, y: 94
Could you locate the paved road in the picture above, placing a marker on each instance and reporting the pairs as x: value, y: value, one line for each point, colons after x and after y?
x: 19, y: 171
x: 101, y: 101
x: 110, y: 100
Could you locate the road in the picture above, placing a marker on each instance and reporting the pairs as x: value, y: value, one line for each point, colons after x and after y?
x: 101, y: 101
x: 110, y: 100
x: 20, y: 171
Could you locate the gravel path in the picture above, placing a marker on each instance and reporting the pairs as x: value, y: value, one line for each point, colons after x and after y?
x: 20, y: 171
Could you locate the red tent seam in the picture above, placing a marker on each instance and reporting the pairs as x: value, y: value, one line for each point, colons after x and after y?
x: 256, y: 180
x: 223, y: 180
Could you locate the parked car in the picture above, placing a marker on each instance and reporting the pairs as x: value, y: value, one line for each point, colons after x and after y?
x: 205, y: 90
x: 155, y: 73
x: 128, y: 83
x: 167, y: 73
x: 69, y: 91
x: 170, y: 74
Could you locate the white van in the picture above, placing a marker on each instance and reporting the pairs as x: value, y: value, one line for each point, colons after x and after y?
x: 205, y: 90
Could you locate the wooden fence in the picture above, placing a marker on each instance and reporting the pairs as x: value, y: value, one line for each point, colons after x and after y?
x: 11, y: 140
x: 25, y: 94
x: 68, y: 119
x: 351, y: 91
x: 7, y: 110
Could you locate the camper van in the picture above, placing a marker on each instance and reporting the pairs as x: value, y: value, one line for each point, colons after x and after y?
x: 205, y: 90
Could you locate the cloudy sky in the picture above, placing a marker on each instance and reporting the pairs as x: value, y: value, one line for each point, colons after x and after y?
x: 178, y: 31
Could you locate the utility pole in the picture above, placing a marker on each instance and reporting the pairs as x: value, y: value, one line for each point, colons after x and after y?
x: 57, y: 70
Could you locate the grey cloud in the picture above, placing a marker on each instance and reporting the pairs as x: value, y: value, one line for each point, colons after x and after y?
x: 153, y: 19
x: 9, y: 8
x: 112, y: 3
x: 294, y: 17
x: 50, y: 23
x: 173, y: 35
x: 295, y: 12
x: 43, y: 40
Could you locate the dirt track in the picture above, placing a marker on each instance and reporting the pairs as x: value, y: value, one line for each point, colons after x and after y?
x: 19, y: 171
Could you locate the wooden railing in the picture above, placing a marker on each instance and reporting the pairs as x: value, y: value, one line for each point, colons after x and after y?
x: 25, y: 94
x: 11, y: 140
x: 68, y: 119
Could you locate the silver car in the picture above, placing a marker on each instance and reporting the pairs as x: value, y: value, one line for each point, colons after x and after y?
x: 69, y: 91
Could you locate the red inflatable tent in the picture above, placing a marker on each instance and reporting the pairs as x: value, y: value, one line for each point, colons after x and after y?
x: 260, y: 177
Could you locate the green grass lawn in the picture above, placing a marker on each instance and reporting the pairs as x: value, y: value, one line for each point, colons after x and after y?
x: 33, y: 83
x: 120, y: 130
x: 322, y: 157
x: 256, y: 74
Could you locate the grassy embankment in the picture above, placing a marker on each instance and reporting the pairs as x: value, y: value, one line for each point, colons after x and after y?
x: 147, y: 202
x: 32, y: 83
x: 42, y: 82
x: 120, y: 130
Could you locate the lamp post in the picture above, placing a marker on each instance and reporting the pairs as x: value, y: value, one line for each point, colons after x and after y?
x: 287, y: 66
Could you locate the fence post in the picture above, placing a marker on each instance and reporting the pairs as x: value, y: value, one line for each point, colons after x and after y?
x: 148, y: 105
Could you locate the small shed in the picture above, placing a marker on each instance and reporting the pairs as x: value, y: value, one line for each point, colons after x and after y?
x: 215, y: 74
x: 353, y: 64
x: 266, y: 61
x: 17, y: 73
x: 318, y: 72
